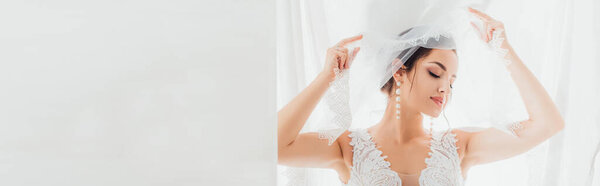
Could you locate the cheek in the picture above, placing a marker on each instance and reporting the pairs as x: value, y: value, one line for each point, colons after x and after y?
x: 427, y: 85
x: 420, y: 93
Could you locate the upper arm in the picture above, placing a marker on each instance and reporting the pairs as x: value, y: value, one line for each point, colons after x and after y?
x: 492, y: 144
x: 308, y: 150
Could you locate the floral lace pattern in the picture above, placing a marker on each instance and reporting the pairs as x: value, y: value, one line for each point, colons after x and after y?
x: 370, y: 168
x: 443, y: 165
x: 495, y: 43
x: 337, y: 99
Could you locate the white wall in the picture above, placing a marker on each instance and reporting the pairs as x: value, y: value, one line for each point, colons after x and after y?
x: 137, y: 92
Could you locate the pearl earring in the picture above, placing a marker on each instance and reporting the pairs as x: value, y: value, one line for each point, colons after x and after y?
x: 398, y: 100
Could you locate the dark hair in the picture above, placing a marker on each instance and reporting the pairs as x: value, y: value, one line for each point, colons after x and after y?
x: 421, y: 52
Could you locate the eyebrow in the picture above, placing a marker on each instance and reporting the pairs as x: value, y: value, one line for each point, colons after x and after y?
x: 441, y: 66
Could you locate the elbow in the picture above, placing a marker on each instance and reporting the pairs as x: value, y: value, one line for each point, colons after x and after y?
x: 280, y: 159
x: 559, y: 125
x: 281, y: 148
x: 550, y: 126
x: 281, y: 155
x: 282, y: 145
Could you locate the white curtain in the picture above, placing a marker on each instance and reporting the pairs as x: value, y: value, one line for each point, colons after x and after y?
x: 557, y: 39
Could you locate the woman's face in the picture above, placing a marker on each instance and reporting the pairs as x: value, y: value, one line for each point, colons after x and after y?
x: 432, y: 84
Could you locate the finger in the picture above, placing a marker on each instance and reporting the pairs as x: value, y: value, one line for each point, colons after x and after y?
x: 346, y: 57
x: 354, y: 52
x: 480, y: 14
x: 348, y: 60
x: 339, y: 59
x: 342, y: 49
x: 344, y: 60
x: 478, y: 30
x: 497, y: 25
x: 486, y: 34
x: 353, y: 56
x: 349, y: 40
x: 343, y: 52
x: 490, y: 32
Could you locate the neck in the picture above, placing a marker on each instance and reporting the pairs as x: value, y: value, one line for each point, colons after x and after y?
x: 408, y: 127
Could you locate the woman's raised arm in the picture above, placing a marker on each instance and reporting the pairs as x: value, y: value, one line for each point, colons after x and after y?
x: 544, y: 118
x: 307, y: 150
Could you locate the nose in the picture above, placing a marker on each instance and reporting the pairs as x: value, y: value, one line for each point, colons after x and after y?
x: 444, y: 89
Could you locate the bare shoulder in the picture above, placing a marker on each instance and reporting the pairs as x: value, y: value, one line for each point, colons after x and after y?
x: 463, y: 136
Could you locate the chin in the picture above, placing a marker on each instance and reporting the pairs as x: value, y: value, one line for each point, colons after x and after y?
x: 433, y: 114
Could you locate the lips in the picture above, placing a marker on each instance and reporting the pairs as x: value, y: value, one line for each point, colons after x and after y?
x: 438, y: 100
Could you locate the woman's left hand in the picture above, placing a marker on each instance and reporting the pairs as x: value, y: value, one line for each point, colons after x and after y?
x: 490, y: 25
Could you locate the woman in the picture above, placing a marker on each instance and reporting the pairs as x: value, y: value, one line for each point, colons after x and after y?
x: 397, y: 150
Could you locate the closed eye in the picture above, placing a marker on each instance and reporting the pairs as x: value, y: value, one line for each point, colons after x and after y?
x: 432, y: 74
x: 436, y: 76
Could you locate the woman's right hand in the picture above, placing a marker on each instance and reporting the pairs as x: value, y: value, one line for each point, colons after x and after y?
x: 337, y: 57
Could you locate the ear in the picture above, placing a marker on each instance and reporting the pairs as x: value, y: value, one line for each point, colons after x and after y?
x: 397, y: 77
x: 399, y: 73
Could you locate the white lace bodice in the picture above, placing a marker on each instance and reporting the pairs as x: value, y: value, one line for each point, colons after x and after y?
x: 370, y: 168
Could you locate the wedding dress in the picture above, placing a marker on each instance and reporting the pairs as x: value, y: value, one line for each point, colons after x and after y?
x: 370, y: 168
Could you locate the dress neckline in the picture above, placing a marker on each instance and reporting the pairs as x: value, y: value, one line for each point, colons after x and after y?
x: 384, y: 157
x: 441, y: 157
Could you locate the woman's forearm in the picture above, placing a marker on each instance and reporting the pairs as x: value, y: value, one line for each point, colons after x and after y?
x: 540, y: 107
x: 292, y: 117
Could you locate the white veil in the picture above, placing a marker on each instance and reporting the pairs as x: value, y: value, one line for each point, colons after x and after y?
x: 483, y: 95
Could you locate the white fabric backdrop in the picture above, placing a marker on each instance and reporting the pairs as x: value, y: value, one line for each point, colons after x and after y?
x: 556, y: 39
x: 132, y: 93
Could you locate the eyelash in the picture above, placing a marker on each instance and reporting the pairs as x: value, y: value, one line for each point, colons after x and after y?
x: 436, y: 76
x: 432, y: 74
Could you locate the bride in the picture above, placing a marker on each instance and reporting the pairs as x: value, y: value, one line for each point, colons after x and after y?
x: 398, y: 150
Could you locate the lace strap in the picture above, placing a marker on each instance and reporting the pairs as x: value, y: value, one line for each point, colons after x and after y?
x: 444, y: 143
x: 369, y: 167
x: 443, y: 165
x: 360, y: 141
x: 364, y: 147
